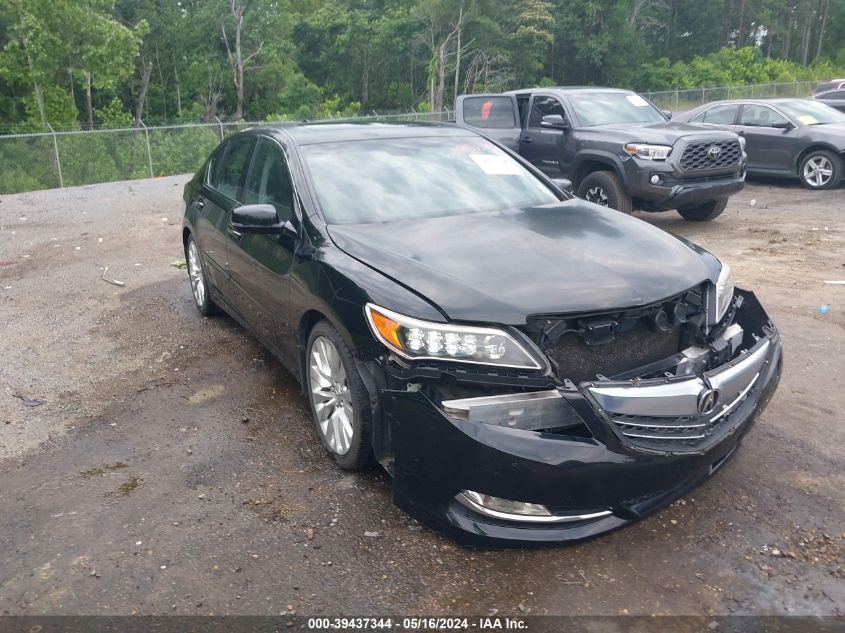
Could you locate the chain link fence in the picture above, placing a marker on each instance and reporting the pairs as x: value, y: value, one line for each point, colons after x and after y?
x: 47, y: 160
x: 683, y: 100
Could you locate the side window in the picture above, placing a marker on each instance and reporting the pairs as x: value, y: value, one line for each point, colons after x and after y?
x: 542, y: 106
x: 227, y: 166
x: 269, y: 180
x: 759, y: 116
x: 490, y: 112
x: 836, y: 94
x: 720, y: 115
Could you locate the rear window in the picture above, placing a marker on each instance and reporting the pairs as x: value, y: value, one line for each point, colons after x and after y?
x: 489, y: 112
x: 718, y: 115
x: 228, y: 165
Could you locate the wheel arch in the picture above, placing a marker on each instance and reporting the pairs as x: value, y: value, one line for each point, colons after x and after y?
x: 814, y: 148
x: 589, y: 163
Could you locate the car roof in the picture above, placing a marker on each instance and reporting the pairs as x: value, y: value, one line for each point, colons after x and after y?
x: 771, y: 100
x: 568, y: 90
x: 328, y: 132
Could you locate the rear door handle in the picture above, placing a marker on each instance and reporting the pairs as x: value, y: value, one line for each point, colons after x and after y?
x: 235, y: 235
x: 200, y: 202
x: 527, y: 139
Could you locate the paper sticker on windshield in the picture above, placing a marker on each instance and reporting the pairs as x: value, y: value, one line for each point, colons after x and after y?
x: 636, y: 100
x: 808, y: 119
x: 496, y: 165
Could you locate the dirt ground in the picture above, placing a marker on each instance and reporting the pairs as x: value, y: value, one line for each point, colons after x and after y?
x: 155, y: 462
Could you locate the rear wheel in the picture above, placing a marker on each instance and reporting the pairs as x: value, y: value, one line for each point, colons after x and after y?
x: 706, y: 211
x: 339, y: 400
x: 820, y: 169
x: 605, y: 188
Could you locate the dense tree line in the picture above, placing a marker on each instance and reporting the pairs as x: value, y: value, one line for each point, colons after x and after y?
x: 84, y: 63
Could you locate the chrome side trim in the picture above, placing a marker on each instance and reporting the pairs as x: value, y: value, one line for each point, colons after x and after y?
x: 506, y: 516
x: 665, y: 437
x: 465, y: 404
x: 646, y: 425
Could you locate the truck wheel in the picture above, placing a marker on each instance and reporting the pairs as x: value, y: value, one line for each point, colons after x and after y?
x: 820, y: 169
x: 604, y: 188
x: 706, y: 211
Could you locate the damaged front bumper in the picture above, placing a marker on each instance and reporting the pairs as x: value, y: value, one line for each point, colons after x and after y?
x: 593, y: 457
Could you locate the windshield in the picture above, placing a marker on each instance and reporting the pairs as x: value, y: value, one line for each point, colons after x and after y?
x: 383, y: 180
x: 811, y: 112
x: 606, y: 108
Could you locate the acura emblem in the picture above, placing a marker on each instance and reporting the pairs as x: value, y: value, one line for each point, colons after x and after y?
x: 707, y: 401
x: 713, y: 152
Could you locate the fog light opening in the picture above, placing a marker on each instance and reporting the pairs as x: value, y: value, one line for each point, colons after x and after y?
x: 655, y: 179
x: 508, y: 510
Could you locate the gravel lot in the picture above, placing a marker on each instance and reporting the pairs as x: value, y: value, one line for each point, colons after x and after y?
x: 172, y: 467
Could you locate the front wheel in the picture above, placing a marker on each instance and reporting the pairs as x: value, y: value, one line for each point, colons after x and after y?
x: 820, y: 169
x: 339, y: 400
x: 706, y: 211
x: 199, y: 280
x: 605, y: 188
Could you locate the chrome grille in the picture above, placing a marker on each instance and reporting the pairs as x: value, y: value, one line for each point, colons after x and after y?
x: 674, y: 429
x: 700, y: 156
x: 657, y: 414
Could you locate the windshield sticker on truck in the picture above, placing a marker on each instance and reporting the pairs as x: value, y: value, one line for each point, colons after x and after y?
x: 495, y: 165
x: 808, y: 119
x: 637, y: 100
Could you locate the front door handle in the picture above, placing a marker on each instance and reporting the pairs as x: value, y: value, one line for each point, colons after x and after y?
x: 527, y: 139
x: 200, y: 202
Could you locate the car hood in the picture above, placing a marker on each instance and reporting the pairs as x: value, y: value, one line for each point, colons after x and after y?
x: 502, y: 267
x: 660, y: 133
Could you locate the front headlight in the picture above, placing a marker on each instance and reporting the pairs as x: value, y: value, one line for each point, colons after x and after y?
x: 649, y: 152
x: 422, y: 340
x: 724, y: 291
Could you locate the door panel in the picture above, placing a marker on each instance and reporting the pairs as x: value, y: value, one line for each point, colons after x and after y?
x: 260, y: 264
x: 217, y: 197
x: 768, y: 148
x: 545, y: 148
x: 495, y: 116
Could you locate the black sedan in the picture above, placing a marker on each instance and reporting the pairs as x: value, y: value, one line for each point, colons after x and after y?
x: 527, y: 366
x: 785, y: 137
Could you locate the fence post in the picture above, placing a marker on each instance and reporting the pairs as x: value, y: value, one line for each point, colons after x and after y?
x: 58, y: 160
x: 149, y: 151
x: 220, y: 123
x: 677, y: 100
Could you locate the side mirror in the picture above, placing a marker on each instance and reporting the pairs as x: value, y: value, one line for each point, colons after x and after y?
x: 667, y: 114
x: 555, y: 122
x: 563, y: 184
x: 260, y: 218
x: 783, y: 125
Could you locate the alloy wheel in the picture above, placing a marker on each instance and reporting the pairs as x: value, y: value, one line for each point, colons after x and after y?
x: 330, y: 395
x: 818, y: 171
x: 195, y: 273
x: 597, y: 195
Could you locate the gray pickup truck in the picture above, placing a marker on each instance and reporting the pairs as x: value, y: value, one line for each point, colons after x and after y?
x: 616, y: 148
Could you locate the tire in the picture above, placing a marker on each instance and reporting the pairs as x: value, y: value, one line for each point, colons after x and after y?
x: 346, y: 430
x: 706, y: 211
x: 200, y: 287
x: 605, y: 188
x: 820, y: 169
